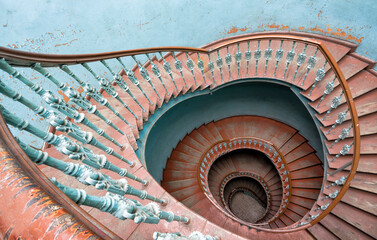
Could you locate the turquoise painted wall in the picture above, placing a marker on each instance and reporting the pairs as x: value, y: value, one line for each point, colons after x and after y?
x: 85, y: 26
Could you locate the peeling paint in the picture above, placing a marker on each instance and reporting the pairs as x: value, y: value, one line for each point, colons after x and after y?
x: 234, y: 29
x: 67, y: 43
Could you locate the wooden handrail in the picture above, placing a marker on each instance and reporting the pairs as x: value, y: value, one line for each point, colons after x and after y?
x: 26, y: 59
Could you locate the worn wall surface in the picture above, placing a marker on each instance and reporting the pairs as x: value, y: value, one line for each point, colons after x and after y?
x: 96, y: 26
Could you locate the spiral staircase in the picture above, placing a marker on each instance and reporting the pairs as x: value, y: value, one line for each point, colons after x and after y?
x: 242, y: 176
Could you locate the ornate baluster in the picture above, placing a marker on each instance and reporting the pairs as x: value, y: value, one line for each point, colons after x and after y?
x: 219, y: 64
x: 267, y: 56
x: 122, y: 84
x: 331, y: 195
x: 342, y: 135
x: 238, y: 58
x: 167, y: 68
x: 190, y: 65
x: 121, y: 207
x: 118, y: 79
x: 320, y: 74
x: 335, y: 103
x: 87, y: 175
x: 211, y: 67
x: 75, y: 97
x: 70, y: 112
x: 133, y: 79
x: 328, y: 90
x: 257, y: 56
x: 311, y: 63
x: 345, y: 150
x: 178, y: 236
x: 338, y: 182
x: 144, y: 73
x: 14, y: 73
x: 339, y: 120
x: 300, y: 60
x: 323, y: 207
x: 278, y: 55
x: 290, y: 55
x: 248, y: 57
x: 201, y: 67
x: 228, y: 61
x: 157, y: 73
x: 178, y: 66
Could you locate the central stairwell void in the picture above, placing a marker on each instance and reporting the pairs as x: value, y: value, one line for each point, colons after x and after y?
x: 265, y: 136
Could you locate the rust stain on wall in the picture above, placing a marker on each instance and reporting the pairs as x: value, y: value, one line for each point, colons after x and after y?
x: 234, y: 29
x: 67, y: 43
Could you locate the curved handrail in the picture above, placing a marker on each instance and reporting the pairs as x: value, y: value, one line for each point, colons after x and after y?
x: 21, y: 58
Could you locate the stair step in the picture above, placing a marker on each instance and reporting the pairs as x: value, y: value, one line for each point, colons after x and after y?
x: 172, y: 186
x: 304, y: 162
x: 194, y: 199
x: 310, y: 172
x: 320, y: 232
x: 362, y: 181
x: 361, y: 199
x: 299, y: 152
x: 292, y: 143
x: 171, y: 175
x: 315, y: 183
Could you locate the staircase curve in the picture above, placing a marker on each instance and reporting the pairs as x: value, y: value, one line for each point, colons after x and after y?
x: 107, y: 126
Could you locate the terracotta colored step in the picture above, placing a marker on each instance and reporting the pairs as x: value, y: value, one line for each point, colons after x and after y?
x: 310, y: 172
x: 292, y: 215
x: 280, y: 223
x: 292, y: 143
x: 299, y: 152
x: 287, y: 221
x: 170, y: 175
x: 301, y: 202
x: 179, y: 184
x: 185, y: 193
x: 180, y: 166
x: 361, y: 199
x: 188, y: 150
x: 191, y: 142
x: 194, y: 199
x: 206, y: 134
x: 320, y: 232
x: 213, y: 130
x: 183, y: 157
x: 298, y: 209
x: 304, y: 162
x: 308, y: 183
x: 342, y: 229
x: 368, y: 145
x: 197, y: 136
x: 366, y: 163
x: 306, y: 193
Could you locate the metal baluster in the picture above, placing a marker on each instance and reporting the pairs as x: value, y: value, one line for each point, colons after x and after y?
x: 335, y: 103
x: 178, y: 66
x: 257, y: 55
x: 278, y: 55
x: 178, y: 236
x: 56, y: 102
x: 121, y: 207
x: 219, y: 64
x: 59, y: 123
x: 211, y: 67
x: 323, y: 207
x: 93, y: 93
x: 300, y: 60
x: 331, y: 195
x: 134, y: 80
x: 338, y: 182
x: 118, y: 80
x: 290, y: 55
x: 342, y: 136
x: 88, y: 175
x: 228, y: 61
x: 267, y: 56
x: 75, y: 97
x: 121, y: 83
x: 238, y: 58
x: 70, y: 112
x: 190, y: 65
x: 320, y: 74
x: 157, y: 73
x: 339, y: 120
x: 345, y: 150
x: 144, y: 73
x: 311, y: 63
x: 65, y: 145
x: 328, y: 90
x: 201, y: 67
x: 248, y: 55
x: 167, y: 68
